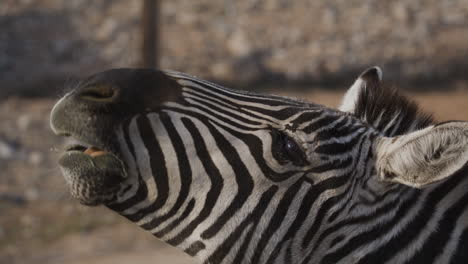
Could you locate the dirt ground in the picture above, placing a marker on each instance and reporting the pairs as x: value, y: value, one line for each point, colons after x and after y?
x: 40, y: 223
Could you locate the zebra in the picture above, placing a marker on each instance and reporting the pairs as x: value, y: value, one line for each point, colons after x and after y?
x: 238, y: 177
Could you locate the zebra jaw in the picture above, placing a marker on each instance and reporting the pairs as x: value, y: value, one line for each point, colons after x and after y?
x: 94, y: 175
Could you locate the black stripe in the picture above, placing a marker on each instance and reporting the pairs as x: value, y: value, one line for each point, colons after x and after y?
x: 322, y: 122
x: 335, y: 241
x: 212, y: 108
x: 231, y: 105
x: 194, y: 248
x: 282, y: 114
x: 256, y: 146
x: 209, y: 115
x: 336, y: 164
x: 158, y: 168
x: 288, y: 258
x: 140, y: 195
x: 338, y: 131
x: 372, y: 218
x: 306, y: 116
x: 185, y: 172
x: 241, y: 252
x: 341, y: 128
x: 301, y: 217
x: 267, y: 100
x: 244, y: 95
x: 221, y: 252
x: 244, y: 182
x: 435, y: 243
x: 461, y: 254
x: 356, y: 177
x: 276, y: 220
x: 362, y: 201
x: 371, y: 235
x: 142, y: 191
x: 216, y: 179
x: 212, y: 97
x: 188, y: 209
x: 336, y: 148
x: 415, y: 227
x: 332, y: 183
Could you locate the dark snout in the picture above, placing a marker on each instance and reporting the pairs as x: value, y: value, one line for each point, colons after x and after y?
x: 92, y: 114
x: 104, y: 100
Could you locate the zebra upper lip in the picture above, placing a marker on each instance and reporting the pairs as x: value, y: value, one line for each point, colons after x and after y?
x: 75, y: 147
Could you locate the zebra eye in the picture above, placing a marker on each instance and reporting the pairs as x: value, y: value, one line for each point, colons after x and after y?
x: 294, y: 152
x: 286, y: 150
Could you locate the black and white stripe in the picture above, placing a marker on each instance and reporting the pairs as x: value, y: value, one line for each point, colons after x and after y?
x: 211, y: 183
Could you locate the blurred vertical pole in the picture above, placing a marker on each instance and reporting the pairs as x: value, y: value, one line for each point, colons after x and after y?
x: 150, y: 31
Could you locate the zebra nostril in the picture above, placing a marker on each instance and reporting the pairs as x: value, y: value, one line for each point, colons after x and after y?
x: 99, y: 93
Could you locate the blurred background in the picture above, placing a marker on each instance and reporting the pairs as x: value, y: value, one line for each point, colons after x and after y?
x: 308, y: 49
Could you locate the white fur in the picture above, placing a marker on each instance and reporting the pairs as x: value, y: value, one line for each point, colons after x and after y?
x: 425, y: 156
x: 349, y: 101
x: 350, y: 98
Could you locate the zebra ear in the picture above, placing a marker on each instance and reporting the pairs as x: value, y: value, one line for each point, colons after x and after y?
x: 371, y: 76
x: 423, y: 157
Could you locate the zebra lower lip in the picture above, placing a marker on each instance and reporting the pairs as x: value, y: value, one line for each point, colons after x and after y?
x: 93, y: 175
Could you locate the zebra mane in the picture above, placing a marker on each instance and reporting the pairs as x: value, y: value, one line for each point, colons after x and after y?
x: 387, y: 110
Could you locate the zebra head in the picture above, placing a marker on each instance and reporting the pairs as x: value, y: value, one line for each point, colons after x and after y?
x: 148, y: 135
x: 203, y: 167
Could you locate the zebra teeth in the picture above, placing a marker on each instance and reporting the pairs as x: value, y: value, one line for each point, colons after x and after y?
x: 94, y: 151
x: 78, y: 145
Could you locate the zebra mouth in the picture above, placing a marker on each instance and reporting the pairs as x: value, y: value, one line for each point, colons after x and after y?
x: 93, y: 174
x: 90, y: 150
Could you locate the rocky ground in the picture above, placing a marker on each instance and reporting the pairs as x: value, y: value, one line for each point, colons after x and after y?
x: 42, y: 41
x: 40, y: 223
